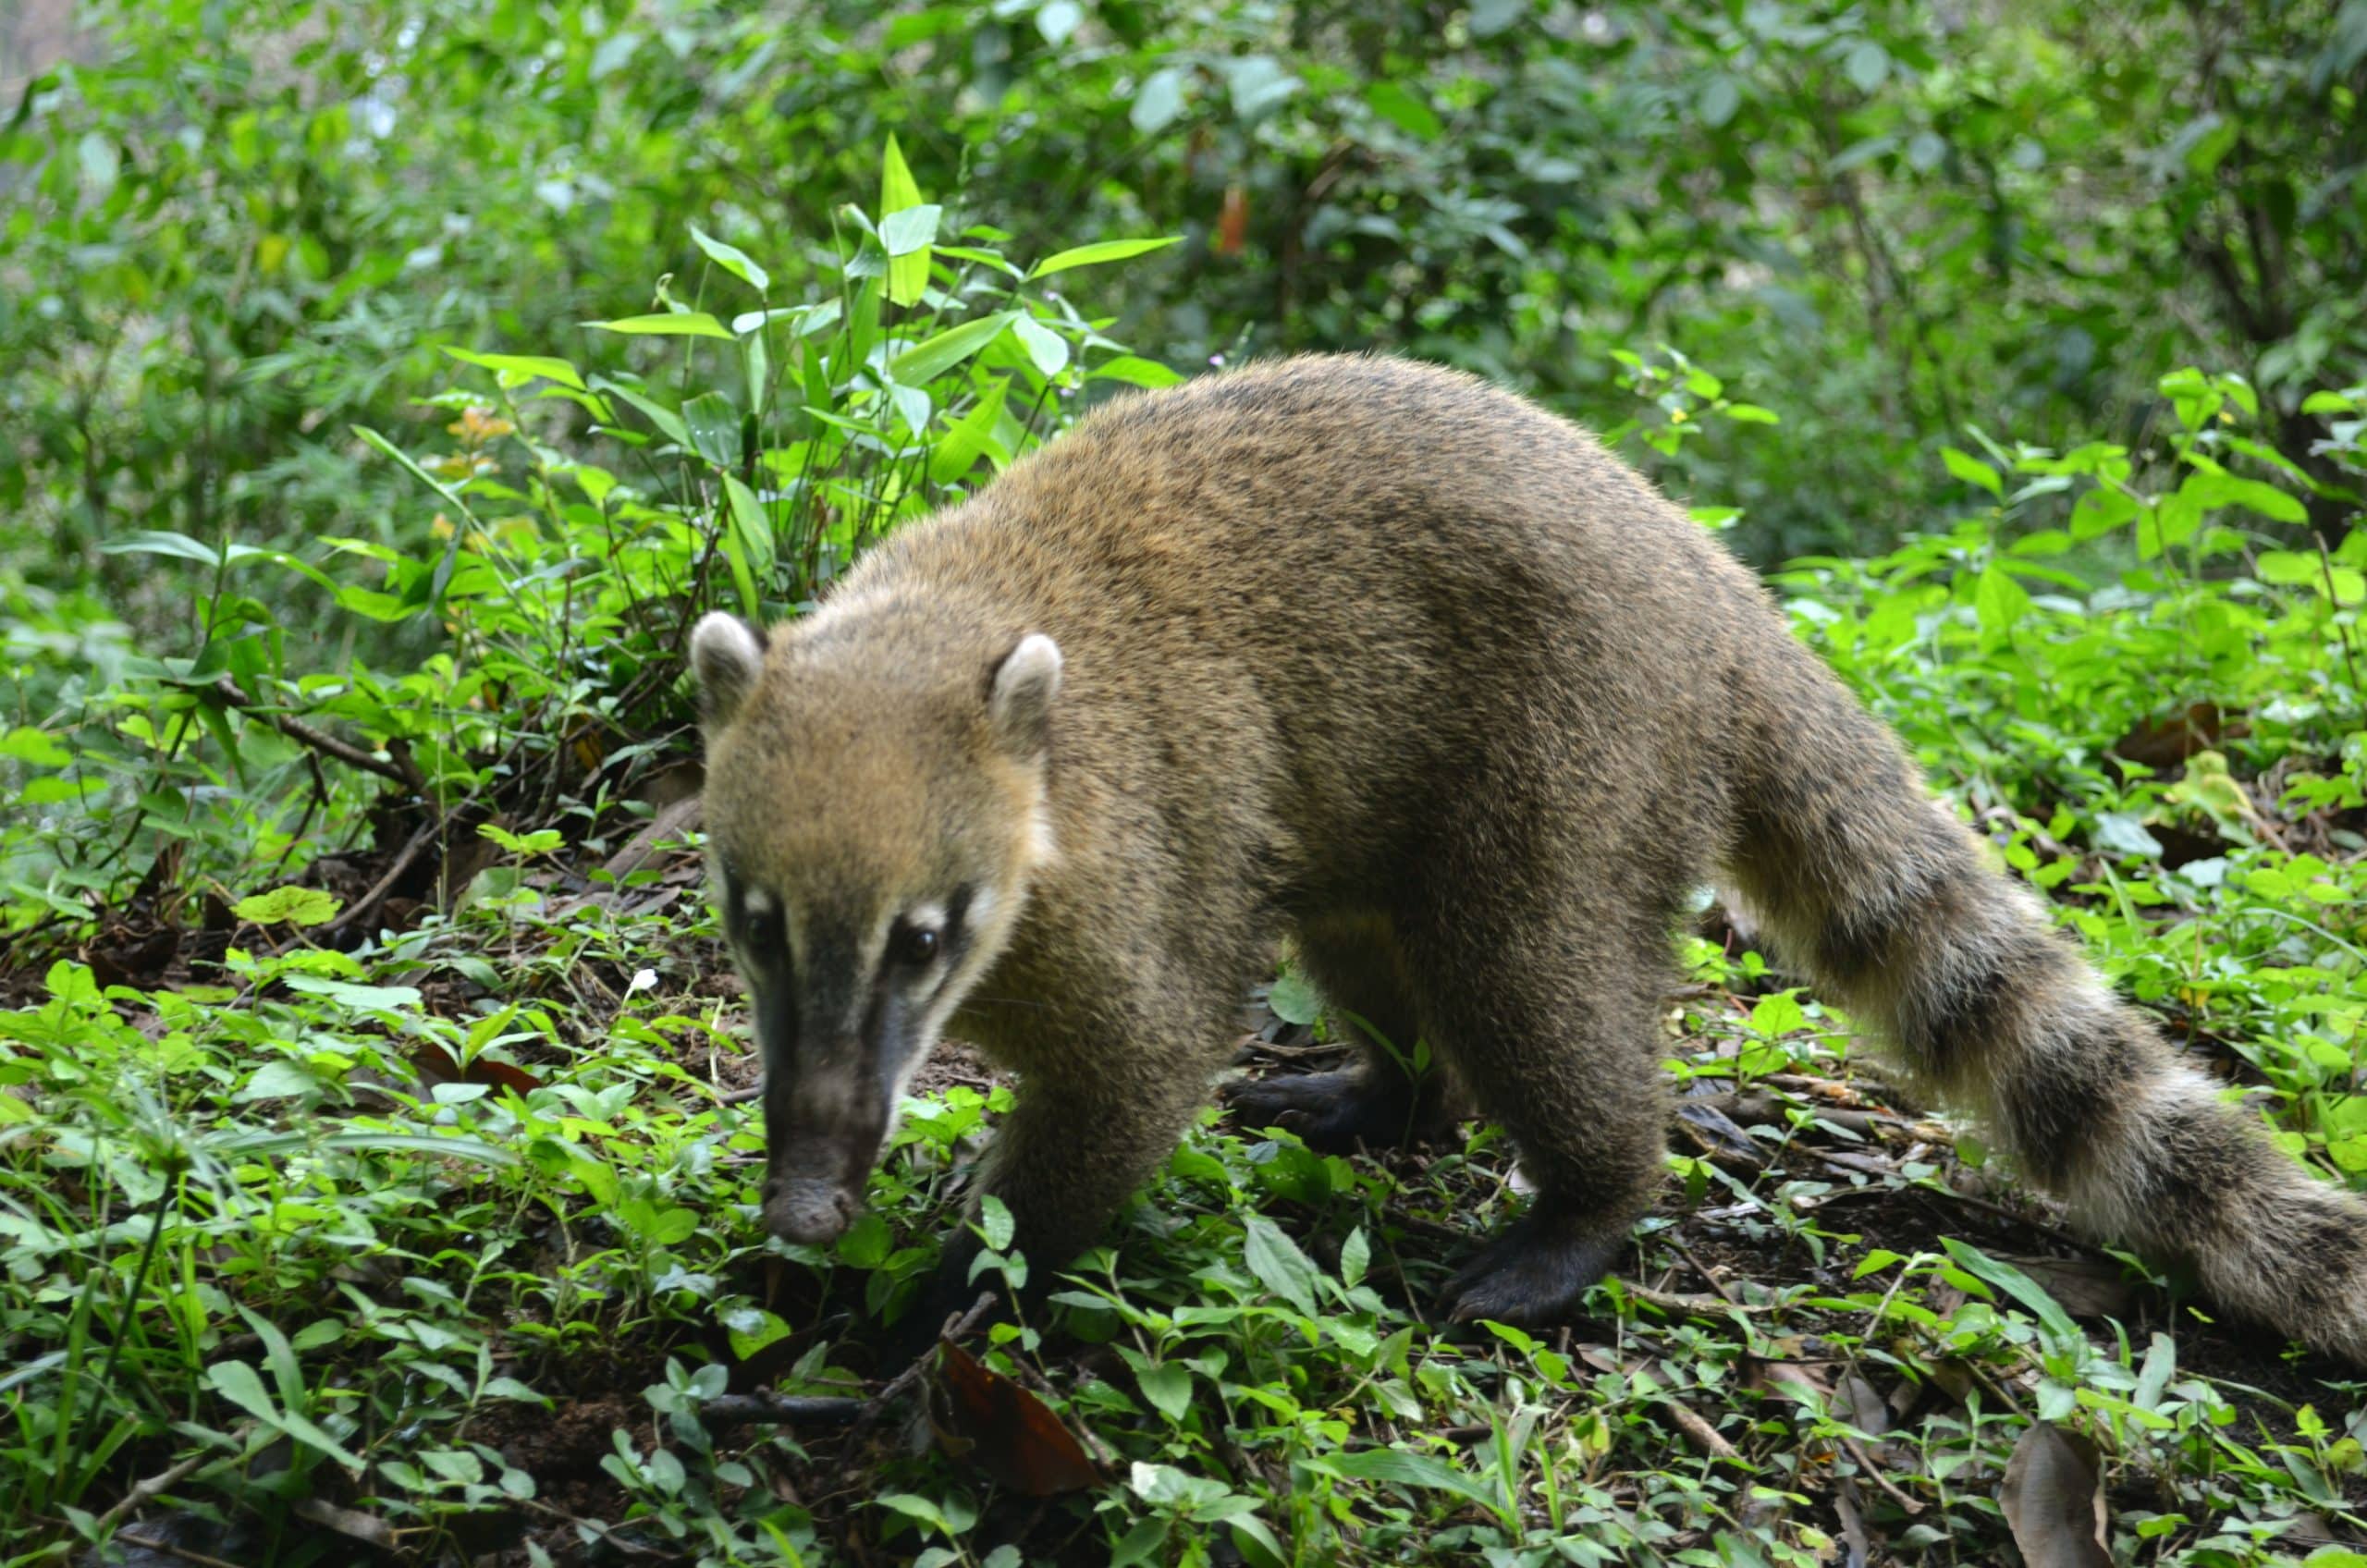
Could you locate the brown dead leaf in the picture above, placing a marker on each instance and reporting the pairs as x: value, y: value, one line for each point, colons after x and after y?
x: 434, y: 1065
x: 2054, y: 1499
x: 2169, y: 740
x: 981, y: 1415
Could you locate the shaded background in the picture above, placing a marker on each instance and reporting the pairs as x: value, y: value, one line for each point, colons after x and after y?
x: 230, y: 230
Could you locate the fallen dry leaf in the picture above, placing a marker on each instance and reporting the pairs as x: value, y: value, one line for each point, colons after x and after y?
x: 2054, y: 1499
x: 981, y: 1415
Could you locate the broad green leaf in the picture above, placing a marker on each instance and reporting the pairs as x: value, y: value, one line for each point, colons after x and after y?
x: 516, y: 370
x: 733, y: 259
x: 686, y: 323
x: 1159, y: 102
x: 37, y: 747
x: 1279, y: 1265
x: 2015, y: 1284
x: 1135, y: 371
x: 1101, y: 250
x: 932, y: 357
x: 1404, y: 108
x: 1401, y: 1468
x: 958, y: 450
x: 1168, y: 1386
x: 1973, y: 470
x: 910, y: 230
x: 242, y: 1386
x: 160, y: 542
x: 291, y: 905
x: 907, y: 273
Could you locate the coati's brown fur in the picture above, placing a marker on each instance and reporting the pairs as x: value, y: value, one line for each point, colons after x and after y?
x: 1368, y: 653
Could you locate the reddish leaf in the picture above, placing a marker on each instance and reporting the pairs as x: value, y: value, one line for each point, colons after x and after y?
x: 1008, y: 1432
x: 2170, y: 740
x: 434, y: 1065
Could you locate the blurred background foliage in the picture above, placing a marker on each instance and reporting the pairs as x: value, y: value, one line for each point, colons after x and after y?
x: 228, y: 232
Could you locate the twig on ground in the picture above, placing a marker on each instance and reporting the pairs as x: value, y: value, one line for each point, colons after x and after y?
x: 401, y: 769
x: 369, y: 901
x: 165, y: 1480
x: 1703, y: 1435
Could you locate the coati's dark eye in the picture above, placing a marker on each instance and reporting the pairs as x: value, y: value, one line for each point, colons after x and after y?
x: 912, y: 945
x: 763, y: 934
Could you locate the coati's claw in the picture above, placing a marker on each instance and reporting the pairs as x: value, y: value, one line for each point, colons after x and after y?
x: 1534, y: 1275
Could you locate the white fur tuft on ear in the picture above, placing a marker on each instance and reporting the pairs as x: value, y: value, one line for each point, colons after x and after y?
x: 1020, y: 706
x: 726, y: 654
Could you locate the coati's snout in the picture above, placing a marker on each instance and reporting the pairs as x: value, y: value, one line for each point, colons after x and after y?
x: 815, y: 1165
x: 873, y: 819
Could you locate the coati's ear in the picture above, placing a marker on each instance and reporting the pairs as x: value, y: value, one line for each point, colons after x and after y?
x: 726, y: 654
x: 1019, y: 702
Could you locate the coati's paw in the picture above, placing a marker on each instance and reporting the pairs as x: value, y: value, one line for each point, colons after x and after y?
x: 1533, y: 1275
x: 1333, y: 1112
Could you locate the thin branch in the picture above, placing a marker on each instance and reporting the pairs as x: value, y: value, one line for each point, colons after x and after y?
x: 401, y: 769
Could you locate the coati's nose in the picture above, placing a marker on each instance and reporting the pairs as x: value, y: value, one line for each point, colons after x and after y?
x: 807, y: 1210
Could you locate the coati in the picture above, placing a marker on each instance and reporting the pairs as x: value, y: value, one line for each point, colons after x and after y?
x: 1368, y: 653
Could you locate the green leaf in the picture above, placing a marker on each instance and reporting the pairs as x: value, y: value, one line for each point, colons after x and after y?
x: 365, y: 998
x: 1135, y: 371
x: 1047, y: 348
x: 1867, y: 65
x: 1168, y: 1386
x: 732, y: 258
x: 1279, y: 1265
x: 2015, y: 1284
x: 1355, y: 1255
x: 1401, y: 1468
x: 932, y: 357
x: 1404, y: 108
x: 1101, y: 250
x: 1159, y: 102
x: 1720, y: 98
x: 242, y: 1386
x: 158, y: 542
x: 686, y: 323
x: 910, y: 230
x: 1294, y: 1000
x: 1973, y: 470
x: 958, y: 450
x: 1999, y: 600
x: 1778, y: 1014
x: 36, y: 747
x: 995, y: 1220
x: 290, y: 905
x: 908, y: 274
x: 516, y: 370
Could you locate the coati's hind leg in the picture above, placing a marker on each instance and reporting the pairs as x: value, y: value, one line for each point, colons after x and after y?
x: 1379, y: 1101
x: 1545, y: 1009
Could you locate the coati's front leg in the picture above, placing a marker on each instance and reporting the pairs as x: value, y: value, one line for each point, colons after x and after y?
x: 1096, y: 1112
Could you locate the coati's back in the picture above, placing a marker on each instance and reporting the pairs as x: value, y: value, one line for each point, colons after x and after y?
x: 1338, y: 583
x: 1367, y: 652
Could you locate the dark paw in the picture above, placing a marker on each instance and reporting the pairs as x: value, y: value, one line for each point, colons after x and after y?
x: 1533, y: 1275
x: 946, y: 1296
x: 1331, y: 1112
